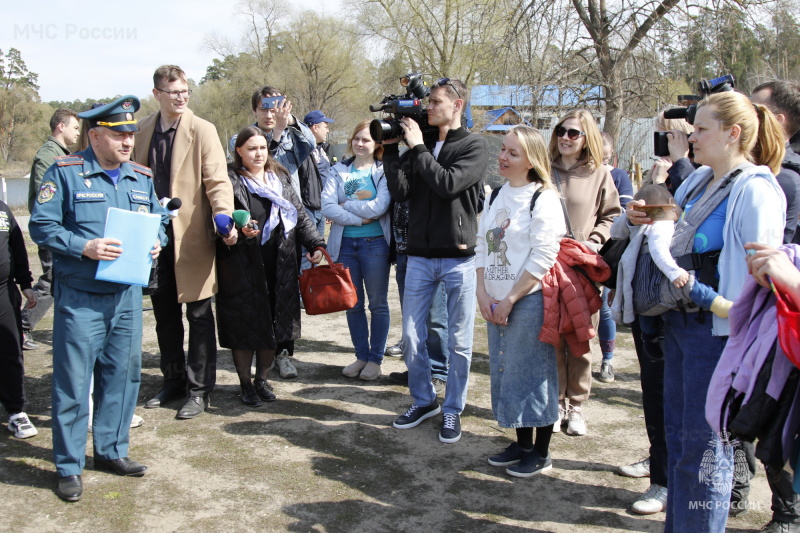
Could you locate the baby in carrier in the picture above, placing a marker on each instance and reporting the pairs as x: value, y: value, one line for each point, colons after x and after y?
x: 661, y: 208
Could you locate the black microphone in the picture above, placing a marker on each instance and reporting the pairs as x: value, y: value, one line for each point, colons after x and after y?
x: 171, y: 205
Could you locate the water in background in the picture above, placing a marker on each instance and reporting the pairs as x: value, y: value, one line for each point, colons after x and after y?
x: 16, y: 192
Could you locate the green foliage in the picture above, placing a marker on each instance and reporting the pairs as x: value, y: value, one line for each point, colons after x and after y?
x: 20, y: 107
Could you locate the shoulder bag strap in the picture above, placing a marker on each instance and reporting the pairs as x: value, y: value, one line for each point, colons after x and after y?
x: 570, y: 234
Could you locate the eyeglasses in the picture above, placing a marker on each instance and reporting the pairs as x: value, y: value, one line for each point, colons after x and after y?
x: 447, y: 81
x: 571, y: 133
x: 173, y: 95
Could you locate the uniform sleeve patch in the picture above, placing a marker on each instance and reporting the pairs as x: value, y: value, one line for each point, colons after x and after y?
x: 46, y: 192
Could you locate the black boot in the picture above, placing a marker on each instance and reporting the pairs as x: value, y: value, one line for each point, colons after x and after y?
x: 264, y: 390
x: 249, y: 396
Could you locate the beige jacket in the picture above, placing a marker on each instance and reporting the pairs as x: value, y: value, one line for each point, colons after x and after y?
x: 592, y: 200
x: 199, y: 177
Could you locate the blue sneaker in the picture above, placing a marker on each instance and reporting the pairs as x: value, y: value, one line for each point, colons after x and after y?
x: 510, y: 456
x: 530, y: 465
x: 415, y: 415
x: 451, y: 428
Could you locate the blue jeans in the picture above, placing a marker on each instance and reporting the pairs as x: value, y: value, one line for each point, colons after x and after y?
x: 695, y: 452
x: 368, y: 261
x: 422, y: 279
x: 607, y: 329
x: 437, y: 321
x: 319, y: 222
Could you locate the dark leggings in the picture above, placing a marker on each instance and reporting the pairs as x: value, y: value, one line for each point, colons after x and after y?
x: 543, y: 435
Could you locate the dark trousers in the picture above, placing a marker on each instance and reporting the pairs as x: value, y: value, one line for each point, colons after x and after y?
x: 199, y: 370
x: 42, y: 288
x: 12, y: 370
x: 651, y: 364
x: 785, y: 501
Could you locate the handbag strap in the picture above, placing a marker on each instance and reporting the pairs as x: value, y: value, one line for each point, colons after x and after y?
x: 327, y: 257
x: 570, y: 234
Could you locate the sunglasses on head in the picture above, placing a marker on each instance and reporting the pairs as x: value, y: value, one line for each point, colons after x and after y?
x: 446, y: 81
x: 571, y: 133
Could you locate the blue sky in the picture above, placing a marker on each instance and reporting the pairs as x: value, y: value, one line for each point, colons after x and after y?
x: 102, y: 48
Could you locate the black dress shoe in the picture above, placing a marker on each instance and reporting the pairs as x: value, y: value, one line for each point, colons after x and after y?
x: 122, y: 466
x: 399, y: 377
x: 194, y: 407
x: 167, y: 394
x: 70, y: 488
x: 249, y: 396
x: 264, y: 390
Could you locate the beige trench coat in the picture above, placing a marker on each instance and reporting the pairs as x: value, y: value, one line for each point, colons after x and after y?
x: 199, y: 177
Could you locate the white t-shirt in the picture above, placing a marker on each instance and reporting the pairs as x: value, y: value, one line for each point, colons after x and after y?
x: 511, y: 239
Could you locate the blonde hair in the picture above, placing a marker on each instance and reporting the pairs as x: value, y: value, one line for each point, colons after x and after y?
x: 535, y: 150
x: 666, y: 124
x: 364, y: 124
x: 593, y: 146
x: 761, y: 140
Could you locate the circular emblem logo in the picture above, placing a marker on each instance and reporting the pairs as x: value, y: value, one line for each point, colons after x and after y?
x: 143, y: 209
x: 128, y: 116
x: 46, y: 192
x: 127, y: 104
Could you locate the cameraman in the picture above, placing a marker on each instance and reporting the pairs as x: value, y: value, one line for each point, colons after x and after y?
x: 442, y: 182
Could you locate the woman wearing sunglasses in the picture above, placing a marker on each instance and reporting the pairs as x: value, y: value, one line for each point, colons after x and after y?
x: 592, y: 203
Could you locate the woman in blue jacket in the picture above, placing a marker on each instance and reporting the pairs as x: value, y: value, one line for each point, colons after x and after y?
x: 356, y: 200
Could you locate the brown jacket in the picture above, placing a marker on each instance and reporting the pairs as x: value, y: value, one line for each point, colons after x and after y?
x: 199, y: 177
x: 592, y: 200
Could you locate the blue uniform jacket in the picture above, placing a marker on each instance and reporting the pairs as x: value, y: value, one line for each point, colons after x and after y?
x: 71, y: 207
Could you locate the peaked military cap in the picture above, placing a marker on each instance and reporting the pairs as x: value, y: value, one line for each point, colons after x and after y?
x: 116, y: 115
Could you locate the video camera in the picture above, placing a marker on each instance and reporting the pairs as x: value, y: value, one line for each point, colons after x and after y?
x: 407, y: 105
x: 689, y: 110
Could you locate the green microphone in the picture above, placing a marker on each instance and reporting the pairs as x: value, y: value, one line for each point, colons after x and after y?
x: 241, y: 218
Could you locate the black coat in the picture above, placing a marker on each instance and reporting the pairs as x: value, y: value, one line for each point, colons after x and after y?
x: 243, y: 310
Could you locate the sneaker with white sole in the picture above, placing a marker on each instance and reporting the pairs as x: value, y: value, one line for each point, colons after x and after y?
x: 510, y: 456
x: 285, y: 366
x: 606, y: 373
x: 451, y: 428
x: 530, y: 465
x: 21, y: 426
x: 562, y: 418
x: 137, y: 421
x: 576, y: 424
x: 415, y: 415
x: 639, y: 469
x: 653, y: 501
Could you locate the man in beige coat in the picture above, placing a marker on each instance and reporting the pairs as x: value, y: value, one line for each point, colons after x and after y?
x: 188, y: 162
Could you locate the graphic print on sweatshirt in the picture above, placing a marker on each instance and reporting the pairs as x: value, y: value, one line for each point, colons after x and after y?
x: 497, y: 247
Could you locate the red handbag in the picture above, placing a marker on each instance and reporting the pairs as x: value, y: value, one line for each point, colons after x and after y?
x: 327, y: 288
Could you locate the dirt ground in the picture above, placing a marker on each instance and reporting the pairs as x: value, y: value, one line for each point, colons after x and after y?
x: 325, y: 458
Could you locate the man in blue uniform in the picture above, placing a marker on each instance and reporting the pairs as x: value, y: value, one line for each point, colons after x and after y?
x: 97, y: 325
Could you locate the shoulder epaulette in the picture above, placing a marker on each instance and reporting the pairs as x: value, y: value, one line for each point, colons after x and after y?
x: 68, y: 160
x: 141, y: 169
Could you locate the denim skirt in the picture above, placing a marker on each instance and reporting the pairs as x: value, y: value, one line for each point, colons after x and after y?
x: 523, y: 369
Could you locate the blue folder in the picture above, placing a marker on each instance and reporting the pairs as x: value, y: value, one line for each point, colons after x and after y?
x: 138, y: 233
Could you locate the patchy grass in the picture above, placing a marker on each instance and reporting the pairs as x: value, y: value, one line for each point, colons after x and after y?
x: 325, y: 458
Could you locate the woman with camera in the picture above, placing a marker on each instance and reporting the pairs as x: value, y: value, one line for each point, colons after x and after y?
x: 356, y: 200
x: 729, y: 201
x: 672, y: 169
x: 258, y: 303
x: 518, y: 241
x: 591, y: 203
